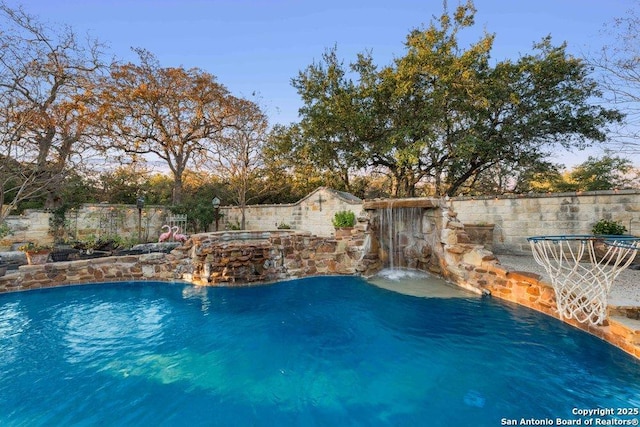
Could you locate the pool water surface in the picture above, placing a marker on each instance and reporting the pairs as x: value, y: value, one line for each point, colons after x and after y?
x: 325, y: 351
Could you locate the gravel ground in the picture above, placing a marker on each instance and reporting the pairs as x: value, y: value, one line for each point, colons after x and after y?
x: 625, y: 291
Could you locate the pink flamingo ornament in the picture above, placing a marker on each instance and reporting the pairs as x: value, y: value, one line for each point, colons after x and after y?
x: 165, y: 236
x: 177, y: 235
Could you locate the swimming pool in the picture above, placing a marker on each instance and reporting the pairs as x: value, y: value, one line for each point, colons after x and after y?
x: 319, y: 351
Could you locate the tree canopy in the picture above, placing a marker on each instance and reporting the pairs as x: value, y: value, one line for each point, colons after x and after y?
x: 441, y: 117
x: 171, y: 113
x: 237, y: 154
x: 608, y: 172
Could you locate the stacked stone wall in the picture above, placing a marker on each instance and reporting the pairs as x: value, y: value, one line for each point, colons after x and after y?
x: 258, y: 257
x: 218, y: 259
x: 527, y: 289
x: 153, y: 266
x: 473, y: 267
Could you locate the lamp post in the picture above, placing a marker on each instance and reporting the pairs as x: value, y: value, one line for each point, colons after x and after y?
x: 216, y: 209
x: 140, y: 205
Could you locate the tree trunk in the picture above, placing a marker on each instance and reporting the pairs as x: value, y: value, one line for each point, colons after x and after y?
x: 177, y: 189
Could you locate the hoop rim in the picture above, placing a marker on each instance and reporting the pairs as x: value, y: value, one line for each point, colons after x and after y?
x: 623, y: 240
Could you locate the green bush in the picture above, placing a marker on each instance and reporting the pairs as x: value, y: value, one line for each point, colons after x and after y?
x: 612, y: 228
x: 234, y: 226
x: 4, y: 230
x: 344, y: 219
x: 34, y: 248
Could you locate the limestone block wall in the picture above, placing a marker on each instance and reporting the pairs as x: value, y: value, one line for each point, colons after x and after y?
x: 32, y: 226
x: 313, y: 213
x: 517, y: 217
x: 97, y: 220
x: 104, y: 219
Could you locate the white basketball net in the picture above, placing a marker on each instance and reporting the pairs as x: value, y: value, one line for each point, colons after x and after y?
x: 582, y: 270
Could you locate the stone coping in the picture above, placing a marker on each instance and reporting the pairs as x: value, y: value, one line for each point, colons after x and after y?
x: 341, y: 195
x: 427, y: 203
x: 549, y: 195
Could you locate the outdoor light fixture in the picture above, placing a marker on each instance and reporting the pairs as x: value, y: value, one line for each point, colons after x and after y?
x: 216, y: 209
x: 140, y: 205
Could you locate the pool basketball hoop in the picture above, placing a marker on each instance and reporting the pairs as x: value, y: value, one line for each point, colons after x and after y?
x: 582, y: 269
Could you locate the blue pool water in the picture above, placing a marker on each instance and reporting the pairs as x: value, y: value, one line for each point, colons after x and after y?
x: 334, y: 351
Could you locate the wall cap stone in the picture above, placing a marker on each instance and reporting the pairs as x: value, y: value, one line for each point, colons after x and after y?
x: 549, y: 195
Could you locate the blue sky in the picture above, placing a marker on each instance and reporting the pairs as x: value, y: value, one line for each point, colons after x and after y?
x: 259, y: 45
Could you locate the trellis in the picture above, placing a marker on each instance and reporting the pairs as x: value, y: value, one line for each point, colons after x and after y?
x: 179, y: 221
x: 109, y: 222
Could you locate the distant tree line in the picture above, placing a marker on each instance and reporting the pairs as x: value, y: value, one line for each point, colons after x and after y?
x: 439, y: 120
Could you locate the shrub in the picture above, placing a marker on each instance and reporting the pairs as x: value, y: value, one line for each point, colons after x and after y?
x: 233, y: 226
x: 613, y: 228
x: 344, y: 219
x: 4, y: 229
x: 34, y: 248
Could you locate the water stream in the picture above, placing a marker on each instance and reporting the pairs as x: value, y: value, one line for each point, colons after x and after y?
x: 399, y: 233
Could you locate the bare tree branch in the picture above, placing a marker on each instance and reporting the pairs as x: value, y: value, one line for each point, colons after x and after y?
x: 618, y: 69
x: 45, y: 75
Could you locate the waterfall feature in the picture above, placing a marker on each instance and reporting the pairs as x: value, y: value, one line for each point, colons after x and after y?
x: 400, y: 236
x: 425, y: 234
x: 405, y: 233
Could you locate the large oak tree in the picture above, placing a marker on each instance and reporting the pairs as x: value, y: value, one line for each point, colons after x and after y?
x: 441, y: 116
x: 172, y: 113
